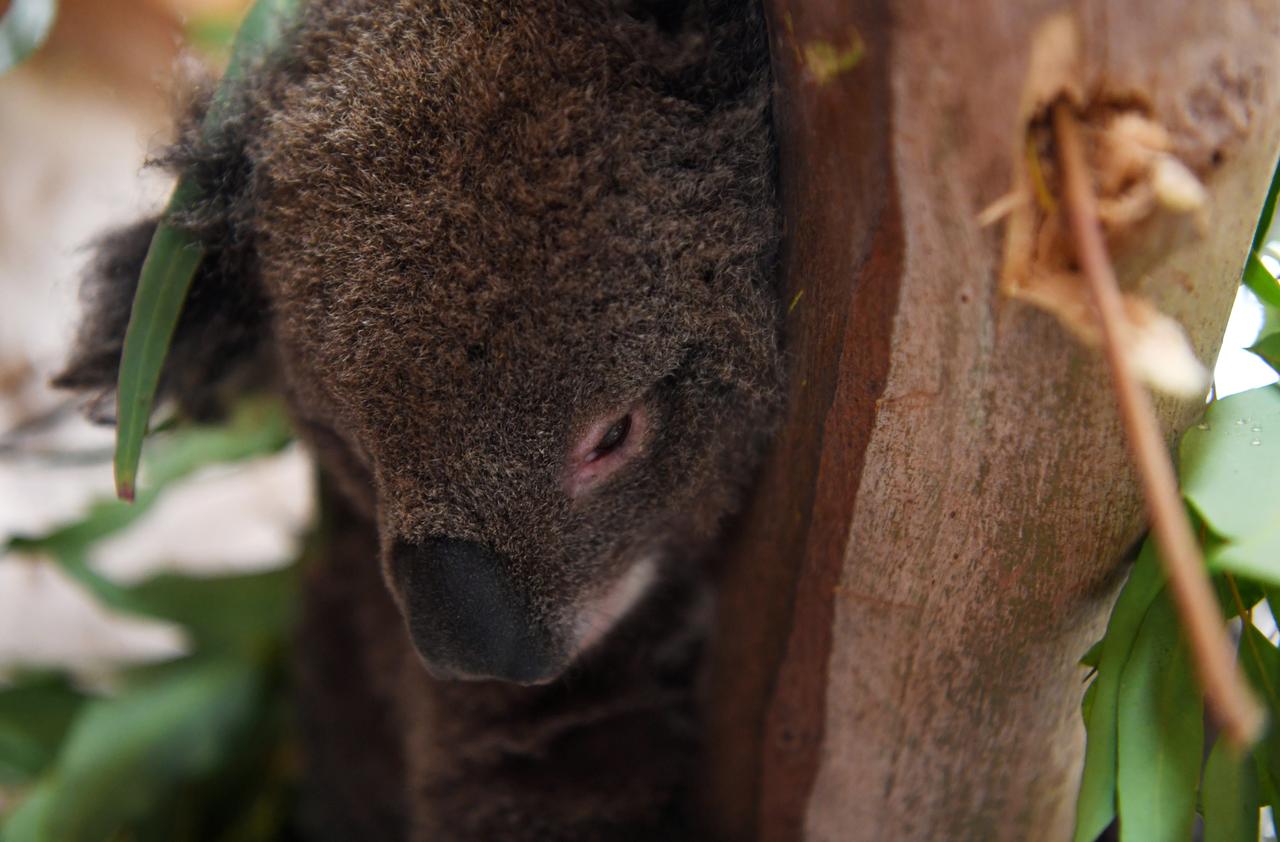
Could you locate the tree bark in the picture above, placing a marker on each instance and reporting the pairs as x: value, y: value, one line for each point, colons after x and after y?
x: 942, y: 527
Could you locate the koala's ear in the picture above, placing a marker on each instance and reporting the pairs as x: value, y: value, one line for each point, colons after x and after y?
x: 217, y: 350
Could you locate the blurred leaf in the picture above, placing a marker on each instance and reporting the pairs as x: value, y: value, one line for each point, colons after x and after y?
x: 1096, y: 806
x: 23, y: 29
x: 1260, y: 281
x: 1232, y: 482
x: 125, y: 755
x: 1230, y: 796
x: 174, y: 257
x: 1160, y: 733
x: 1250, y: 592
x: 1086, y: 703
x: 242, y: 612
x: 255, y: 428
x: 1268, y: 347
x: 1267, y: 214
x: 27, y: 821
x: 35, y: 712
x: 1090, y: 658
x: 212, y: 33
x: 1256, y: 276
x: 1256, y: 556
x: 1260, y: 661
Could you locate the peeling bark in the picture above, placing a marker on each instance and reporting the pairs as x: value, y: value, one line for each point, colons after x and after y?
x: 943, y: 524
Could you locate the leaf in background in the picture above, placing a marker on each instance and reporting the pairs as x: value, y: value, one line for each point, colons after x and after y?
x: 228, y: 613
x: 1260, y: 661
x: 1268, y: 347
x: 125, y: 755
x: 1096, y: 805
x: 174, y: 258
x: 1230, y: 466
x: 1160, y: 733
x: 1230, y: 796
x: 26, y: 823
x: 1091, y: 657
x: 1256, y: 276
x: 1086, y: 703
x: 35, y: 712
x: 255, y: 428
x: 1260, y: 281
x: 24, y: 28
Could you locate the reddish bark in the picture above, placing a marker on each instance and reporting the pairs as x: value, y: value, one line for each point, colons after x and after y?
x: 941, y: 528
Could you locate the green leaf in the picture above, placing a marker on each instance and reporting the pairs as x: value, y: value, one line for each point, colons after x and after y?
x: 255, y: 428
x: 167, y: 272
x: 27, y: 821
x: 1260, y: 661
x: 125, y: 755
x: 174, y: 257
x: 23, y: 29
x: 1267, y: 213
x: 1231, y: 464
x: 1230, y: 796
x: 1268, y: 347
x: 1086, y: 703
x: 1096, y: 805
x: 229, y: 613
x: 1091, y: 657
x: 34, y: 715
x: 1262, y: 283
x: 1160, y: 733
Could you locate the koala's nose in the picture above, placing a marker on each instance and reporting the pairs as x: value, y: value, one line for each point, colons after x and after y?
x: 466, y: 617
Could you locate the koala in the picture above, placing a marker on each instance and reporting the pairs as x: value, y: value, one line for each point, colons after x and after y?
x: 511, y: 264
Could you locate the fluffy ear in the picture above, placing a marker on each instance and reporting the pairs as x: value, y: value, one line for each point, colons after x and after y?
x: 216, y: 349
x: 219, y: 346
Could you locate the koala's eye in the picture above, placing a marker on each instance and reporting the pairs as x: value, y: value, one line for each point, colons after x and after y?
x: 614, y: 437
x: 604, y: 448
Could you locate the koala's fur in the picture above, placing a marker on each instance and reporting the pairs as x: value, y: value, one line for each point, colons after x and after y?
x: 452, y: 233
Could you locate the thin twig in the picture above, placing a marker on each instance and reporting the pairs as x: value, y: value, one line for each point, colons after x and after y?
x: 1225, y: 690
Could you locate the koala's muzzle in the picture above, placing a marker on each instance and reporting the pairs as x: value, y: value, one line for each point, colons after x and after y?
x: 465, y: 617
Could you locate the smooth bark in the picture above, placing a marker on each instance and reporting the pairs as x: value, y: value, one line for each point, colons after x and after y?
x: 942, y: 527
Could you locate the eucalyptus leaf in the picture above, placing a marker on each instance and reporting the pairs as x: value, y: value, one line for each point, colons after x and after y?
x: 1160, y: 733
x: 1267, y: 214
x: 1230, y: 796
x: 244, y: 613
x: 35, y: 712
x: 24, y: 28
x: 1096, y: 805
x: 28, y: 821
x: 175, y: 256
x: 1260, y: 661
x: 1260, y: 281
x: 1231, y: 464
x: 256, y: 428
x: 1268, y: 347
x: 125, y: 755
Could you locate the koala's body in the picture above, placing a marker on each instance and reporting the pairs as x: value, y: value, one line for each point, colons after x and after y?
x: 511, y: 262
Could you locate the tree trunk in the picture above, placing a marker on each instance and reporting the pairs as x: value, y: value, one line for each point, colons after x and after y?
x: 942, y: 527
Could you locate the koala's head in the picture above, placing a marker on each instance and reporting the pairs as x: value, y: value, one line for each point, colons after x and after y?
x: 512, y: 266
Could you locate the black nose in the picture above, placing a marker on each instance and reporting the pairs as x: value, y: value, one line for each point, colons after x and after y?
x: 466, y: 616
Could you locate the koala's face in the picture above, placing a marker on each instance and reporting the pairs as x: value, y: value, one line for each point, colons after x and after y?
x: 523, y: 299
x: 517, y: 263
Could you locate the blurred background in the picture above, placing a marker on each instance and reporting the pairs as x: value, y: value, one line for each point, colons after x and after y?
x: 77, y: 123
x: 78, y: 120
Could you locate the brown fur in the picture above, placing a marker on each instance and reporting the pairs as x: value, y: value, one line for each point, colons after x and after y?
x: 453, y: 233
